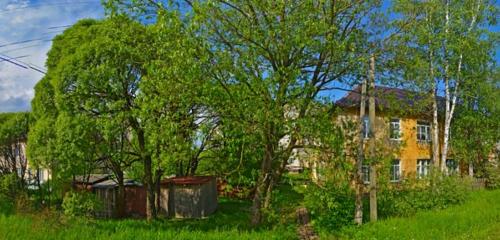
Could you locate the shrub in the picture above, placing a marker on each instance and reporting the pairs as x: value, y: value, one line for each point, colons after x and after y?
x: 437, y: 191
x: 331, y: 207
x: 76, y: 204
x: 492, y: 176
x: 9, y: 189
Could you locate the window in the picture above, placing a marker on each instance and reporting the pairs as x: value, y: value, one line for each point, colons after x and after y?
x: 366, y: 173
x: 395, y: 129
x: 395, y: 170
x: 366, y: 127
x: 423, y: 167
x: 452, y: 166
x: 423, y: 131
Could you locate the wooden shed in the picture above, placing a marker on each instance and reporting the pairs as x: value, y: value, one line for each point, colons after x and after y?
x: 188, y: 197
x: 135, y: 198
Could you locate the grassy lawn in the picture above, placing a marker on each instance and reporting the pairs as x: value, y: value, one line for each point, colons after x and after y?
x: 230, y: 222
x: 479, y: 218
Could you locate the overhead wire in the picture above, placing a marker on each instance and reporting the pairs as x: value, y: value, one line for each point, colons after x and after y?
x: 45, y: 5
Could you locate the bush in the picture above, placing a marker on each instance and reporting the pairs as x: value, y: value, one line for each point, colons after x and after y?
x: 331, y: 207
x: 492, y: 176
x: 77, y: 204
x: 9, y: 190
x: 437, y: 191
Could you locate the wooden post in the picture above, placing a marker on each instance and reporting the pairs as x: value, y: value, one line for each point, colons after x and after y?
x: 373, y: 169
x: 358, y: 214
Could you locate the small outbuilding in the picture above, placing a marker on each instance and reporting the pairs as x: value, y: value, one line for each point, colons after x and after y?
x: 135, y: 198
x: 188, y: 197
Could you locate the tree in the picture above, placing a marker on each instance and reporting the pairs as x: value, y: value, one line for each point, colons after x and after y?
x: 271, y: 57
x: 476, y: 125
x: 13, y: 132
x: 449, y: 44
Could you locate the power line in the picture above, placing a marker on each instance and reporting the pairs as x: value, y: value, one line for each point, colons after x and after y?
x: 46, y: 5
x: 23, y: 56
x: 22, y: 64
x: 25, y: 41
x: 21, y: 48
x: 64, y: 26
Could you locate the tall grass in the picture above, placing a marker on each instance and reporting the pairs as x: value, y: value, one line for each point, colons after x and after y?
x: 230, y: 222
x: 478, y: 218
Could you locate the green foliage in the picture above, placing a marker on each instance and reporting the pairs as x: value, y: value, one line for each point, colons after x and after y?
x: 80, y: 204
x: 330, y: 207
x: 492, y: 176
x: 478, y: 218
x: 436, y: 191
x: 9, y: 188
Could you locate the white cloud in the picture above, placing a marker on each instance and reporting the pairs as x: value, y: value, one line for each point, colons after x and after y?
x: 31, y: 19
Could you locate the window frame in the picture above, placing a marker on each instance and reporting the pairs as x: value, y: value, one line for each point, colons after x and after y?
x: 393, y: 122
x: 423, y: 168
x: 426, y: 131
x: 365, y: 173
x: 455, y: 166
x: 393, y: 172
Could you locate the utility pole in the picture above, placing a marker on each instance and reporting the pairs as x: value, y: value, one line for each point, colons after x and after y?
x: 358, y: 214
x: 372, y: 140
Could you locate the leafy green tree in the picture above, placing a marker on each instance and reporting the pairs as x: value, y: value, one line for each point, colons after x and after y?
x: 13, y: 133
x: 475, y: 128
x: 446, y: 45
x: 271, y: 60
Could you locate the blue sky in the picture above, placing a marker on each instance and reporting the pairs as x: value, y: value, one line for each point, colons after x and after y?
x: 42, y: 19
x: 33, y: 19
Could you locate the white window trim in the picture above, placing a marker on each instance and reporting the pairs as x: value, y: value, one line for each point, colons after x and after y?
x: 423, y: 168
x: 427, y: 127
x: 399, y: 171
x: 391, y: 121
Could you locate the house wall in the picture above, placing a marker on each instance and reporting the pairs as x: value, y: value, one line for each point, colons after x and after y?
x: 408, y: 150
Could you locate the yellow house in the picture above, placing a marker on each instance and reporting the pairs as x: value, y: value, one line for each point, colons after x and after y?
x: 403, y: 126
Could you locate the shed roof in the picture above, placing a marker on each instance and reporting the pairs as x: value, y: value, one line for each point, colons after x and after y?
x: 92, y: 178
x: 190, y: 180
x: 112, y: 183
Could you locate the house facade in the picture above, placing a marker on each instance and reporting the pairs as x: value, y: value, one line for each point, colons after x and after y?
x: 403, y: 130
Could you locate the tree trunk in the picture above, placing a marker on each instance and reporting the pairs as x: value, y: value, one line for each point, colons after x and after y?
x: 150, y: 188
x: 373, y: 168
x: 120, y: 201
x: 157, y: 184
x: 358, y: 174
x: 262, y: 184
x: 435, y: 120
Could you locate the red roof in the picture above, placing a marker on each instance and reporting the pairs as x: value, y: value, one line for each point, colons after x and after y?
x: 190, y: 180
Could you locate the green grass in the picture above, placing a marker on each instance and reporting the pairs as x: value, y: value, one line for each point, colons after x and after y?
x: 231, y: 221
x: 478, y: 218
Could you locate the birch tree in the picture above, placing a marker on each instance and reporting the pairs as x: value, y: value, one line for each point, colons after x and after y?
x: 447, y: 42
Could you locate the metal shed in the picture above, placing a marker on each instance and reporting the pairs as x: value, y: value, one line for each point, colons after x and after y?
x: 135, y: 198
x: 188, y: 197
